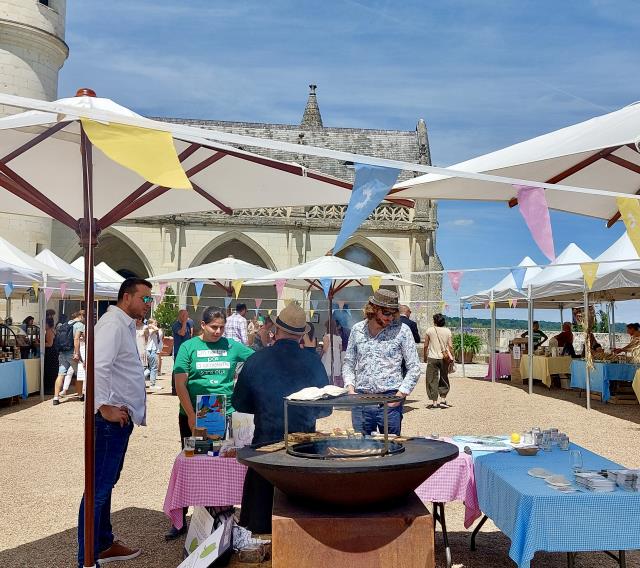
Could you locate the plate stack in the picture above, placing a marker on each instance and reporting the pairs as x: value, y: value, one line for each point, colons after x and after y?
x: 595, y: 482
x: 627, y: 479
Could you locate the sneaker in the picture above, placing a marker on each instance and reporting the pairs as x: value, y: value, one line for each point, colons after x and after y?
x: 56, y: 402
x: 118, y: 551
x: 62, y: 394
x: 173, y: 533
x: 157, y: 387
x: 81, y: 398
x: 445, y: 404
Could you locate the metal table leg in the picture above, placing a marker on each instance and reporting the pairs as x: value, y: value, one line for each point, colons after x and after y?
x: 621, y: 558
x: 438, y: 516
x: 476, y: 530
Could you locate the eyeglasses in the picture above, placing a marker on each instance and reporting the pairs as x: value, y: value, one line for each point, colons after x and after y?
x: 147, y: 299
x: 388, y: 313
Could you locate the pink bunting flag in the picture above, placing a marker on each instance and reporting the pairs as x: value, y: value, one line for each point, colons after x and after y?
x: 162, y: 287
x: 455, y: 277
x: 280, y: 287
x: 533, y: 207
x: 48, y: 292
x: 340, y: 304
x: 258, y: 303
x: 515, y: 302
x: 63, y: 289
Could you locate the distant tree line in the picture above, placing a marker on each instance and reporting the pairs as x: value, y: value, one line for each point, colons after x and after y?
x: 602, y: 324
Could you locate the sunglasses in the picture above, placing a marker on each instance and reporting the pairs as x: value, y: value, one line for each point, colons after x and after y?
x: 388, y: 313
x: 147, y: 299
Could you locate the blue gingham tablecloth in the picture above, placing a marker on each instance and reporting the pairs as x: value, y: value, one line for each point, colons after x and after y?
x: 601, y: 375
x: 13, y: 379
x: 536, y: 517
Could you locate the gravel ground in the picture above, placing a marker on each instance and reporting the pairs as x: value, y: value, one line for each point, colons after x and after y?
x: 42, y: 469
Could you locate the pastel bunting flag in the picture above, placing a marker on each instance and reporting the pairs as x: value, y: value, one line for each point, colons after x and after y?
x: 311, y: 312
x: 269, y: 312
x: 63, y: 289
x: 371, y: 185
x: 198, y: 286
x: 257, y: 311
x: 455, y: 277
x: 511, y: 303
x: 8, y: 289
x: 48, y: 292
x: 36, y: 289
x: 486, y: 305
x: 515, y: 302
x: 442, y: 305
x: 532, y: 204
x: 630, y: 213
x: 341, y: 304
x: 314, y: 304
x: 227, y: 301
x: 589, y: 271
x: 148, y: 152
x: 326, y: 286
x: 467, y: 305
x: 492, y: 305
x: 258, y: 303
x: 287, y: 301
x: 280, y: 287
x: 375, y: 282
x: 518, y: 274
x: 237, y: 286
x: 162, y: 287
x: 195, y: 300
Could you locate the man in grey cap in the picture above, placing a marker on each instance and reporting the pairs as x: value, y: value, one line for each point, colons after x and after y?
x: 373, y: 362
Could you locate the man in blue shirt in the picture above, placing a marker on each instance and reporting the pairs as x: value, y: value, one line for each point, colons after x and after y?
x: 182, y: 330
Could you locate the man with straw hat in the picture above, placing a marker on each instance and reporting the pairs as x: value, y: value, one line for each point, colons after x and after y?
x: 373, y: 362
x: 266, y: 378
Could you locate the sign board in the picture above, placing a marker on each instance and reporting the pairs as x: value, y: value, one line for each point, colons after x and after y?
x: 213, y: 546
x: 200, y: 528
x: 211, y: 413
x: 516, y: 352
x: 243, y: 428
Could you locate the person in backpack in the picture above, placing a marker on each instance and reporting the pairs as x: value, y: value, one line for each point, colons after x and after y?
x: 437, y: 353
x: 67, y: 343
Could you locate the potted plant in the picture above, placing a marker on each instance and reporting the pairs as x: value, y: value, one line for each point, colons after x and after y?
x: 472, y: 344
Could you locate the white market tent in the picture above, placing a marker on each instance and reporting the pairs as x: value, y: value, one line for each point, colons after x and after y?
x: 104, y: 274
x: 30, y: 266
x: 599, y: 153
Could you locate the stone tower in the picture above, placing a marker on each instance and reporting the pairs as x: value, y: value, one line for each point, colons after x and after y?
x: 32, y: 52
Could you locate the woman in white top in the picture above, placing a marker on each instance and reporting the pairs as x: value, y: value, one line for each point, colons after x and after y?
x: 437, y: 342
x: 335, y: 373
x: 154, y: 345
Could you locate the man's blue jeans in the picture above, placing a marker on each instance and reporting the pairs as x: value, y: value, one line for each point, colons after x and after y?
x: 368, y: 419
x: 111, y: 446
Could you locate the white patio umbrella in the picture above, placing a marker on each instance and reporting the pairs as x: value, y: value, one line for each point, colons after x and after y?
x: 220, y: 273
x: 103, y: 273
x: 598, y: 153
x: 342, y: 273
x: 49, y: 167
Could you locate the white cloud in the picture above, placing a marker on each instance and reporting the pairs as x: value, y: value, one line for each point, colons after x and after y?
x: 462, y: 222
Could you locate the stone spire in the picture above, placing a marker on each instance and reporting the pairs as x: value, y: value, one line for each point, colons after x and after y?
x: 311, y: 117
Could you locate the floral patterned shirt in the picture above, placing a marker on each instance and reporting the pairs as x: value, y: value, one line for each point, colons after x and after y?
x: 374, y: 364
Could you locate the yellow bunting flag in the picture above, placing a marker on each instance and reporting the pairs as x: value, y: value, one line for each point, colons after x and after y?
x: 442, y: 305
x: 492, y: 305
x: 269, y: 312
x: 195, y: 300
x: 511, y: 303
x: 287, y: 301
x: 589, y: 271
x: 150, y: 153
x: 237, y: 285
x: 630, y: 212
x: 374, y: 281
x: 311, y: 312
x: 36, y: 289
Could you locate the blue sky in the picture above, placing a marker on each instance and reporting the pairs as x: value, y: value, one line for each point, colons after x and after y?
x: 483, y: 75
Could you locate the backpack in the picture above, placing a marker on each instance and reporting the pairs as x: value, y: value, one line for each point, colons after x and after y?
x: 64, y: 337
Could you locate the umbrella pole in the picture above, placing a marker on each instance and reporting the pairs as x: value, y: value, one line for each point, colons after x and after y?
x: 587, y: 347
x: 88, y: 238
x: 530, y: 342
x: 612, y: 325
x: 492, y: 342
x: 42, y: 305
x: 330, y: 298
x: 462, y: 338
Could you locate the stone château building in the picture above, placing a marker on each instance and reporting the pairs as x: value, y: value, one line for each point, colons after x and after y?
x: 395, y: 238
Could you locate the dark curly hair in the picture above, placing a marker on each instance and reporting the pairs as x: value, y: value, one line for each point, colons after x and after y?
x: 439, y: 320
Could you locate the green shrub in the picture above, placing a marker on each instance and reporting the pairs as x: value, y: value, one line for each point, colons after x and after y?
x: 472, y: 343
x: 167, y: 311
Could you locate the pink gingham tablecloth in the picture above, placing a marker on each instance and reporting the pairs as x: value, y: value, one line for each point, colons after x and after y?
x: 454, y: 481
x: 202, y: 480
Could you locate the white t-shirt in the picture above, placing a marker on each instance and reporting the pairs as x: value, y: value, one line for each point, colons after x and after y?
x: 439, y: 338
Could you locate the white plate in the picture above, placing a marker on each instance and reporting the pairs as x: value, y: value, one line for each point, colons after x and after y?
x: 558, y: 481
x: 539, y: 472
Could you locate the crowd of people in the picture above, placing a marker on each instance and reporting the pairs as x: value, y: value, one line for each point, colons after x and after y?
x: 254, y: 367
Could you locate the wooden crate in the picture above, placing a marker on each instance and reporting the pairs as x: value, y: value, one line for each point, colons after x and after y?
x: 398, y: 537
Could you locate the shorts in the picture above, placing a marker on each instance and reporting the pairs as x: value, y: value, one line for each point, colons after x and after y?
x: 65, y: 360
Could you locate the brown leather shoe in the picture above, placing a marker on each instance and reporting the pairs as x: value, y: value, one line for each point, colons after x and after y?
x: 118, y: 551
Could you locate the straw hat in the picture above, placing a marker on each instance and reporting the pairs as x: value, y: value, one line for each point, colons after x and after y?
x: 385, y: 299
x: 292, y: 319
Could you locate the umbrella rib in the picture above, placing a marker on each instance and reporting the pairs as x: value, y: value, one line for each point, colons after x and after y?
x: 312, y: 284
x: 34, y: 141
x: 211, y: 199
x: 575, y: 168
x: 635, y: 168
x: 115, y: 214
x: 13, y: 183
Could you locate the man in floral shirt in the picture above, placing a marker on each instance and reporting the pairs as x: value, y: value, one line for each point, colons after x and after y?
x: 373, y: 362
